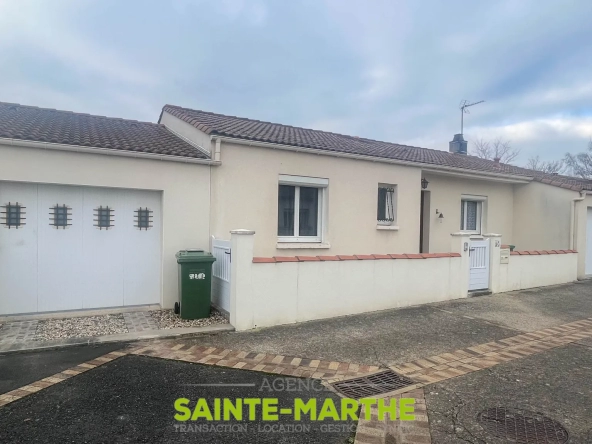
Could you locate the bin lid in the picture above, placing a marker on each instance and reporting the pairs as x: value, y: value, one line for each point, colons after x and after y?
x: 194, y: 255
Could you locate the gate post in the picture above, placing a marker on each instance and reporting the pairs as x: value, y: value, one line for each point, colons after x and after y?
x: 241, y: 292
x: 460, y: 244
x: 495, y: 244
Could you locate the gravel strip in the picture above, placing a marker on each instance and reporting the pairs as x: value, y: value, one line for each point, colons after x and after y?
x: 80, y: 327
x: 167, y: 319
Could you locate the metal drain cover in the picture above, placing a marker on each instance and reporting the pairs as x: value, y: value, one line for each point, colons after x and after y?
x: 522, y: 426
x: 372, y: 385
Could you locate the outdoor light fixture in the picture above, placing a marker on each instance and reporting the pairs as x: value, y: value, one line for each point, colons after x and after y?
x: 424, y: 183
x: 441, y: 215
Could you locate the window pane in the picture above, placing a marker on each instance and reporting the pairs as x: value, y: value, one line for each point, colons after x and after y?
x: 381, y: 204
x: 471, y: 216
x: 286, y: 210
x: 309, y: 211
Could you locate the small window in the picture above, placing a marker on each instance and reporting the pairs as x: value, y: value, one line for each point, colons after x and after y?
x: 60, y: 216
x: 13, y: 215
x: 300, y: 209
x: 143, y: 218
x: 470, y: 216
x: 104, y: 217
x: 386, y: 205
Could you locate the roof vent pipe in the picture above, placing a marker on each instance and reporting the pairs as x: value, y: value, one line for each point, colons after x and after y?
x: 458, y: 144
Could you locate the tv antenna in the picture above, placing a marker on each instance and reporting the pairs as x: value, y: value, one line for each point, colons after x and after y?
x: 464, y: 104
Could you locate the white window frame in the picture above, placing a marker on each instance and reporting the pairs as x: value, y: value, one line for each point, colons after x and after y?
x: 394, y: 203
x: 479, y: 200
x: 312, y: 182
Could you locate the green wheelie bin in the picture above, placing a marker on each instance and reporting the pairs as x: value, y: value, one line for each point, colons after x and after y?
x: 195, y: 283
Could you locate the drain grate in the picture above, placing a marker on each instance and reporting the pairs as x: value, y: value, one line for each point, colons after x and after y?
x: 372, y: 385
x: 521, y: 426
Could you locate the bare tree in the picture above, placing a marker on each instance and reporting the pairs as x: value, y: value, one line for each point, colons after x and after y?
x: 549, y: 166
x: 580, y: 164
x: 498, y: 148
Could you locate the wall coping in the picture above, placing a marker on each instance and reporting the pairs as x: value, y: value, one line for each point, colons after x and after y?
x: 540, y: 252
x: 355, y: 257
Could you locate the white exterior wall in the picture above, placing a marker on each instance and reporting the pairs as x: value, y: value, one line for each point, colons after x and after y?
x: 185, y: 191
x: 245, y: 193
x: 267, y: 294
x: 530, y: 271
x: 541, y: 217
x: 445, y: 196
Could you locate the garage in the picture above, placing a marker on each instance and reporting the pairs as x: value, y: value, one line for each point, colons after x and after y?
x: 77, y: 247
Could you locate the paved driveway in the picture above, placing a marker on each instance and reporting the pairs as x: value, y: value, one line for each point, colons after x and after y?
x: 403, y: 335
x: 529, y: 350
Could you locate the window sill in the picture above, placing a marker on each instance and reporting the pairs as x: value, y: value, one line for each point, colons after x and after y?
x: 302, y: 245
x: 387, y: 227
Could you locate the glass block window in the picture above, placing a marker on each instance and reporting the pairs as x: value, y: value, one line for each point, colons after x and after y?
x: 386, y: 204
x: 60, y: 216
x: 143, y: 218
x: 12, y: 215
x: 103, y: 217
x: 470, y: 215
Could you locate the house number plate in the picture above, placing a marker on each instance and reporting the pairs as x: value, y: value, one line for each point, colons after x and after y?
x: 197, y: 276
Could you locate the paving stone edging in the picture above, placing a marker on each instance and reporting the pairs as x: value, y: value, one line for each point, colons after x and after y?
x: 141, y: 335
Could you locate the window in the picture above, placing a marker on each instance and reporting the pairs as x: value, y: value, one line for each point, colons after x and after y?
x: 12, y: 215
x: 59, y: 216
x: 470, y: 215
x: 104, y: 217
x: 143, y: 218
x: 300, y: 208
x: 386, y: 204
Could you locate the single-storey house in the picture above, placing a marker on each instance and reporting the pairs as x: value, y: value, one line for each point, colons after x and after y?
x: 93, y: 209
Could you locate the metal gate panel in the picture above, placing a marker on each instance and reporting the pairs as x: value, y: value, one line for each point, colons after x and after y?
x: 479, y: 265
x: 221, y: 273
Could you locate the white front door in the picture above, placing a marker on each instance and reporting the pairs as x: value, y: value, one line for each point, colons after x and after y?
x: 589, y: 243
x: 479, y: 265
x: 51, y: 266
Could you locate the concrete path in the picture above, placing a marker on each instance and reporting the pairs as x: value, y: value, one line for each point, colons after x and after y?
x: 402, y: 335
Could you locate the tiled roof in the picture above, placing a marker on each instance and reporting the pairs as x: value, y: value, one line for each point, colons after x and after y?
x: 242, y: 128
x: 69, y: 128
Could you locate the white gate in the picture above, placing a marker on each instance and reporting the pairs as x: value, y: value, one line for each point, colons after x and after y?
x: 479, y: 265
x: 221, y: 274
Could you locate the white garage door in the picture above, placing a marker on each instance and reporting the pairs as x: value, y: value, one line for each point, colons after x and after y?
x: 69, y: 248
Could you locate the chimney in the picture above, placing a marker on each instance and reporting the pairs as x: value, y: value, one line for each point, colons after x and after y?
x: 496, y: 159
x: 458, y: 145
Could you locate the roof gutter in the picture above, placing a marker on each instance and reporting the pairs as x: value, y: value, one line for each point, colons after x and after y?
x: 425, y: 166
x: 107, y: 151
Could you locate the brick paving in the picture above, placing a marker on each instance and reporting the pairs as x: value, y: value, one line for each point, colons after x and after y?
x: 138, y: 321
x: 263, y: 362
x: 450, y: 365
x: 19, y: 393
x: 12, y: 332
x: 376, y: 431
x: 423, y: 371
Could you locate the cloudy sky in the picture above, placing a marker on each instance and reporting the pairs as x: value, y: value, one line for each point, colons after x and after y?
x: 383, y: 69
